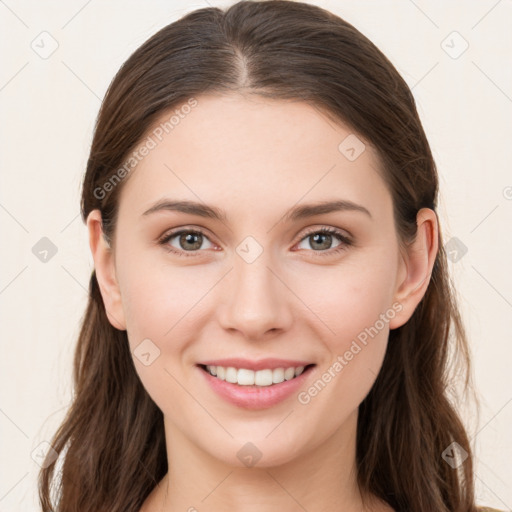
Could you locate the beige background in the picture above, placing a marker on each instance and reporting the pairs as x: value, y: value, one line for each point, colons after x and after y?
x: 48, y: 104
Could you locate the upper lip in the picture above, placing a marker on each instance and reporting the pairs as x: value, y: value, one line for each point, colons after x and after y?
x: 261, y: 364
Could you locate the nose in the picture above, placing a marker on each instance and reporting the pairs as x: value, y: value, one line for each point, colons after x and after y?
x: 255, y: 301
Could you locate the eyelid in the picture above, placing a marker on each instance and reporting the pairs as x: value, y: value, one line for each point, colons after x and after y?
x: 170, y: 234
x: 345, y: 238
x: 322, y: 228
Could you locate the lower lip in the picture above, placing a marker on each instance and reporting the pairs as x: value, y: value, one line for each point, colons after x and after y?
x: 255, y: 397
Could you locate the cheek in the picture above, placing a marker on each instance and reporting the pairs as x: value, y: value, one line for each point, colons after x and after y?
x: 163, y: 306
x: 158, y: 297
x: 159, y: 305
x: 355, y: 305
x: 350, y: 297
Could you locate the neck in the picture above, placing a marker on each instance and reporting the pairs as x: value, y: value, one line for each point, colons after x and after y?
x: 322, y: 478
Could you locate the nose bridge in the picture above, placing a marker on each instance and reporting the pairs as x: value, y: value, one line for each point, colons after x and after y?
x: 255, y: 299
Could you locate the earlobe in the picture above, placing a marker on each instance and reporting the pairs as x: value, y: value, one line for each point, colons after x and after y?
x: 417, y: 264
x: 105, y: 271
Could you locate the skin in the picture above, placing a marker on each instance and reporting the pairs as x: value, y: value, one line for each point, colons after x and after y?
x: 256, y: 158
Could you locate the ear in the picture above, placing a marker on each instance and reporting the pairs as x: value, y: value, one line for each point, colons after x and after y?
x: 417, y: 261
x: 103, y: 256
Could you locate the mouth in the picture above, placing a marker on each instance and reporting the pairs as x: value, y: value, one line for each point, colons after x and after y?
x: 266, y: 377
x: 259, y: 387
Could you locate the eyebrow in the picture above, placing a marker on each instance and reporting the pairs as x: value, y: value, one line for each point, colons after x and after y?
x: 296, y: 213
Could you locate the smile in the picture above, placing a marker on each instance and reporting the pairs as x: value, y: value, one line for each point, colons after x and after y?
x: 246, y: 377
x: 265, y: 385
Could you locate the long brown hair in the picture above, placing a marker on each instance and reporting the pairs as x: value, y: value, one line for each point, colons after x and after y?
x: 112, y: 443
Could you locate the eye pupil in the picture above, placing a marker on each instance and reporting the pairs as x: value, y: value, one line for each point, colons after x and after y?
x: 189, y: 238
x: 317, y: 239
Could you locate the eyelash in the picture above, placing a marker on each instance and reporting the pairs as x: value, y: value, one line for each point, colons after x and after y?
x: 345, y: 241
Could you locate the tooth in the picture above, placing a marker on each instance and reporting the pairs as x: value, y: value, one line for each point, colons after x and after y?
x: 221, y: 373
x: 278, y: 375
x: 231, y: 375
x: 245, y: 377
x: 263, y: 378
x: 289, y: 373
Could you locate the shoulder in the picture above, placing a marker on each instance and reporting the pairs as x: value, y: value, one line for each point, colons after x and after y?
x: 488, y: 509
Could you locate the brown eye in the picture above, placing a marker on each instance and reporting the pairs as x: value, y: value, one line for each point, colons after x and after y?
x: 322, y: 240
x: 192, y: 241
x: 184, y: 241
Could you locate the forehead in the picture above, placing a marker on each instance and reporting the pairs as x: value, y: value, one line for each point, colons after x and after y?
x: 253, y: 153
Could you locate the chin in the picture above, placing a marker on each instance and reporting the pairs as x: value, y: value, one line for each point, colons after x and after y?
x: 258, y: 451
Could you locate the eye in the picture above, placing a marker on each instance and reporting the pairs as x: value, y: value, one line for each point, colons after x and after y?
x: 185, y: 241
x: 188, y: 242
x: 320, y: 240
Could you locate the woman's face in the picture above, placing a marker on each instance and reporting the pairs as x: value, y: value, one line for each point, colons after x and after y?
x: 252, y: 279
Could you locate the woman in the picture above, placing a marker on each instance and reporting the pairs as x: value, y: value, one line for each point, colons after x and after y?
x: 270, y: 316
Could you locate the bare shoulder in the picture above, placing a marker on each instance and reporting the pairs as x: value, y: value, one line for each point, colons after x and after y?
x: 489, y: 509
